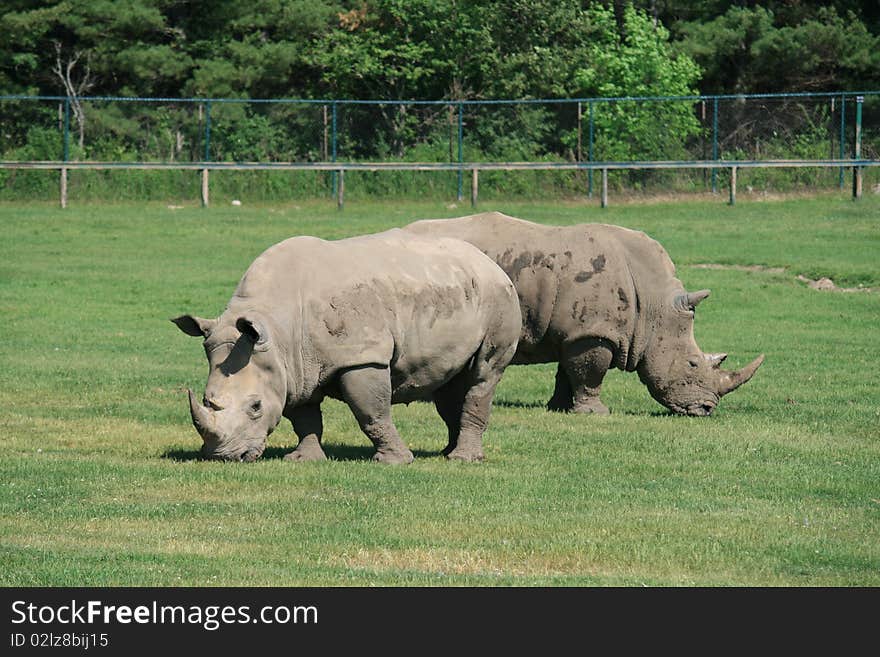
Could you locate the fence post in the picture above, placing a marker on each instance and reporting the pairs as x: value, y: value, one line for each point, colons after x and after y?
x: 733, y: 185
x: 340, y: 189
x: 475, y: 185
x: 67, y: 129
x: 460, y: 149
x: 63, y: 187
x: 715, y: 144
x: 334, y: 182
x: 207, y: 131
x: 604, y: 188
x: 207, y: 158
x: 204, y: 188
x: 842, y: 135
x: 857, y: 151
x: 590, y: 153
x: 66, y: 154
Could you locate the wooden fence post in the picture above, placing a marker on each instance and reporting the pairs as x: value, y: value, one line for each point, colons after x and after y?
x: 475, y: 185
x: 340, y: 189
x: 205, y: 198
x: 733, y: 185
x: 63, y: 187
x: 604, y: 188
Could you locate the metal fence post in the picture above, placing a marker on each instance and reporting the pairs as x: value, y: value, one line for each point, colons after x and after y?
x: 715, y: 144
x: 590, y: 152
x: 842, y: 135
x: 857, y: 150
x: 334, y: 176
x: 207, y: 131
x: 66, y: 129
x: 460, y: 150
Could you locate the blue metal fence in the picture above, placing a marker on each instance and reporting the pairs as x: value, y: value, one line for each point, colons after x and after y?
x: 712, y: 128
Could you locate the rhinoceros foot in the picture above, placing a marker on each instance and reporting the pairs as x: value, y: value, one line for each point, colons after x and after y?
x: 393, y: 457
x: 309, y: 449
x: 559, y: 404
x: 469, y: 455
x: 593, y: 406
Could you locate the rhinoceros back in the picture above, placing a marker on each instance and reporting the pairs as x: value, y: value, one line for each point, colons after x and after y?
x: 421, y: 306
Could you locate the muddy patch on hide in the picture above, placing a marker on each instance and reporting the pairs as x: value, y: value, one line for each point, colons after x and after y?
x: 598, y: 264
x: 624, y: 301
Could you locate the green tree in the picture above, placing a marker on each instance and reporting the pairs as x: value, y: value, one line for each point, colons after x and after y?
x: 638, y: 63
x: 750, y: 50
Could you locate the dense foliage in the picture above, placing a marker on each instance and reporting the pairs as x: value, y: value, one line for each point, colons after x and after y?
x: 421, y: 50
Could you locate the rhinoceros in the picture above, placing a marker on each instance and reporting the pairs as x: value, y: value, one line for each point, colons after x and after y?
x: 372, y: 321
x: 596, y: 296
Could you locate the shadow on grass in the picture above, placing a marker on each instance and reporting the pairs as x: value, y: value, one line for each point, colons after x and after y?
x: 515, y: 403
x: 334, y: 453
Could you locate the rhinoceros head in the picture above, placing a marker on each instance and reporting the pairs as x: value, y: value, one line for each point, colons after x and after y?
x: 677, y: 372
x: 245, y: 392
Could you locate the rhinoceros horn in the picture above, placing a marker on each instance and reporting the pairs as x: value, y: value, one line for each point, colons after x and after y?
x: 689, y: 300
x: 730, y: 381
x: 715, y: 360
x: 202, y: 416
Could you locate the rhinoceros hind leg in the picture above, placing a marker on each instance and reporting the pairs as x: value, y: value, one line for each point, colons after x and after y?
x: 367, y: 391
x: 586, y: 362
x: 475, y: 410
x: 449, y: 399
x: 478, y: 389
x: 309, y: 427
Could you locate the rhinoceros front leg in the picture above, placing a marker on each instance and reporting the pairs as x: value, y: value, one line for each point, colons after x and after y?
x: 563, y: 396
x: 308, y: 425
x: 367, y: 391
x: 582, y: 368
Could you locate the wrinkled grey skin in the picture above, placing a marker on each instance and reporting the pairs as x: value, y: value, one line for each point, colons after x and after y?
x: 372, y: 321
x: 595, y: 296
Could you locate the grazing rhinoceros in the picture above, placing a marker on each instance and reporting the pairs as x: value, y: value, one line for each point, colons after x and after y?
x: 372, y: 321
x: 595, y: 296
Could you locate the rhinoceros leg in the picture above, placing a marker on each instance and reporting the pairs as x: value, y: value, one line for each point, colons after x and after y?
x: 475, y: 410
x: 563, y: 396
x: 309, y: 427
x: 449, y: 400
x: 367, y: 391
x: 476, y: 389
x: 585, y: 363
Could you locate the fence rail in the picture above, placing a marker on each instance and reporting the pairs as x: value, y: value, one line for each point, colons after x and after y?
x: 711, y: 133
x: 474, y: 167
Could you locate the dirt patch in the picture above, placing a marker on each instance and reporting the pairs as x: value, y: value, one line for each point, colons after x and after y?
x: 827, y: 285
x: 823, y: 284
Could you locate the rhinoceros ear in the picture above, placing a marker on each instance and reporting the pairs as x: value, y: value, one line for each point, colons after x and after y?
x: 195, y: 326
x: 254, y: 328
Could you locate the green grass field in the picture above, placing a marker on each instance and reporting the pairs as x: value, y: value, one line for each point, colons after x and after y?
x: 100, y: 484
